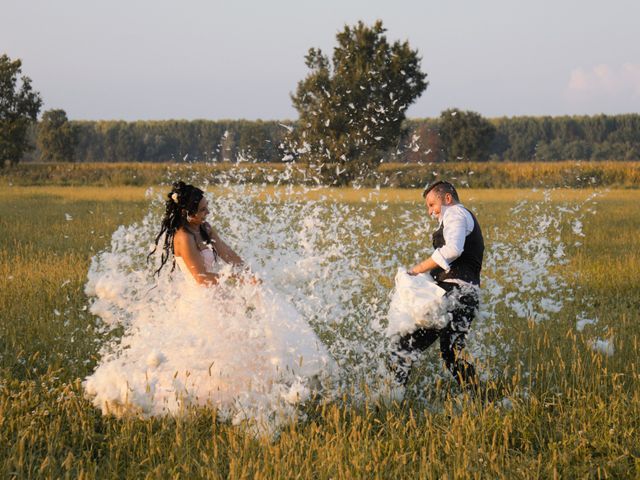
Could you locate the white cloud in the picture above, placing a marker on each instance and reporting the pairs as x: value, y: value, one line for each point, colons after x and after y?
x: 606, y: 81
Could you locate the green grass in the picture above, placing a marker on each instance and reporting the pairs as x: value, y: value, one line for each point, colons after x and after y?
x: 573, y: 174
x: 580, y: 417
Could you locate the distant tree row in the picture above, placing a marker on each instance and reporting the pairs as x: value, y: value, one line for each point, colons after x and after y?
x: 472, y: 138
x: 521, y: 139
x: 599, y: 137
x: 172, y: 140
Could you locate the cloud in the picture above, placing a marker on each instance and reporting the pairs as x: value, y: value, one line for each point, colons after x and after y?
x: 606, y: 81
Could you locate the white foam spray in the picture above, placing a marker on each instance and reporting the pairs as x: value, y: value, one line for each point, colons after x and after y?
x: 327, y: 270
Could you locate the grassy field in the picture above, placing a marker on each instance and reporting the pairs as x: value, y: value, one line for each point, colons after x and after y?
x: 569, y: 411
x: 574, y: 174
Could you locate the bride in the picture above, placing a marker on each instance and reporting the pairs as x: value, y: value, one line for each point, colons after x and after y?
x: 192, y: 241
x: 211, y: 336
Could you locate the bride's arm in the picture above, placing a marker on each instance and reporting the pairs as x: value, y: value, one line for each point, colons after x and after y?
x: 184, y: 245
x: 225, y: 252
x: 228, y: 255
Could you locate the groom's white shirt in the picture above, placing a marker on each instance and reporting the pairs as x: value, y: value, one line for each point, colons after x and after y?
x: 458, y: 223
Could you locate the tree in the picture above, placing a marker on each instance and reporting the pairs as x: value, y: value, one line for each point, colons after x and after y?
x: 57, y: 138
x: 19, y: 107
x: 254, y: 142
x: 465, y: 135
x: 352, y: 107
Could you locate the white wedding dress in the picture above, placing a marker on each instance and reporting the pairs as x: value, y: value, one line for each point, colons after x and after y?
x: 239, y: 348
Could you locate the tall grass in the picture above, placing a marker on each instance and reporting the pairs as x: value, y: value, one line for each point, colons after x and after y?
x: 575, y: 414
x: 572, y: 174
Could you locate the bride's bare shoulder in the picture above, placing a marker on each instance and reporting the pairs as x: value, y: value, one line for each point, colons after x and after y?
x: 180, y: 240
x: 180, y: 235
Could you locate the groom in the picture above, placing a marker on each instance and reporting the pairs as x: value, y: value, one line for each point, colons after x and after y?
x: 455, y: 266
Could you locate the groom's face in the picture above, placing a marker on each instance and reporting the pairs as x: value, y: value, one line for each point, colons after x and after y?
x: 434, y: 203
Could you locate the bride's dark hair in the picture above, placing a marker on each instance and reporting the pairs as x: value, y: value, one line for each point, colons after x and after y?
x: 182, y: 200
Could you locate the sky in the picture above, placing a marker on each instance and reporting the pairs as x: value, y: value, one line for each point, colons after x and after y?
x: 190, y: 59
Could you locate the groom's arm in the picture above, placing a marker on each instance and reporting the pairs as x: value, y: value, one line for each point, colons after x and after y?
x: 454, y: 231
x: 424, y: 266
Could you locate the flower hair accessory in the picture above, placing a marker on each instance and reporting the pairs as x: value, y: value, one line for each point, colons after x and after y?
x: 174, y: 197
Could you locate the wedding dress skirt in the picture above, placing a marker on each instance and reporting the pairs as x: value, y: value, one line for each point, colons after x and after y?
x: 239, y: 348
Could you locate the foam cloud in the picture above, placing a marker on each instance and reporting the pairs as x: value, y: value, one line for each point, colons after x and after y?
x: 607, y: 81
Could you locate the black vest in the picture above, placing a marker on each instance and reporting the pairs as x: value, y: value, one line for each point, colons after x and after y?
x: 468, y: 265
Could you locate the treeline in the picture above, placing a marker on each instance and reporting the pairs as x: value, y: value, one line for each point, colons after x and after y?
x: 523, y: 139
x: 173, y: 140
x: 516, y: 139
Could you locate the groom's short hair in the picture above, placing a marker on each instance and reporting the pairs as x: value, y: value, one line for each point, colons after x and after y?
x: 441, y: 188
